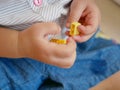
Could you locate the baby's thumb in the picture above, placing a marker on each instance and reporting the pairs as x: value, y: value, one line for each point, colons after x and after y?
x: 76, y: 10
x: 73, y: 17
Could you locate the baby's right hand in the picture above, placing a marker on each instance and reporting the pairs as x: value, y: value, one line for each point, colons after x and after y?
x: 33, y: 43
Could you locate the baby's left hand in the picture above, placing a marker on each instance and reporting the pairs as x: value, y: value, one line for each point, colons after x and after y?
x: 87, y: 13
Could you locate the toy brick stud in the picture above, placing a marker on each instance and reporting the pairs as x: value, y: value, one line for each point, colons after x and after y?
x: 73, y: 29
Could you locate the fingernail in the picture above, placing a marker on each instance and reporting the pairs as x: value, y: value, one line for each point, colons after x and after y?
x: 69, y: 39
x: 68, y: 25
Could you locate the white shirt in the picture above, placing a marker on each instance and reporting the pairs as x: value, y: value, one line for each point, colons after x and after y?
x: 20, y: 14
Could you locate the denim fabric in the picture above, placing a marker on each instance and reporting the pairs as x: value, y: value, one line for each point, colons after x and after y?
x: 96, y: 60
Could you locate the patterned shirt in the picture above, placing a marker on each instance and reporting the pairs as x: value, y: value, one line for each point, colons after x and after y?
x: 20, y: 14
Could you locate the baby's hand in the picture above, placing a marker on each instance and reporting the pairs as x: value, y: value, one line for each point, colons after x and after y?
x: 87, y: 13
x: 33, y: 43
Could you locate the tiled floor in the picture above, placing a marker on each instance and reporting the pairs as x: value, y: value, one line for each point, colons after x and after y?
x: 110, y: 23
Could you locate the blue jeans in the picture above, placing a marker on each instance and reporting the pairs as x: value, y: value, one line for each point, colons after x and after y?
x: 96, y: 60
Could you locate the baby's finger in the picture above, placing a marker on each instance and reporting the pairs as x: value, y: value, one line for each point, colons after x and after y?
x: 53, y: 28
x: 76, y: 11
x: 86, y: 30
x: 82, y: 38
x: 67, y: 33
x: 65, y: 50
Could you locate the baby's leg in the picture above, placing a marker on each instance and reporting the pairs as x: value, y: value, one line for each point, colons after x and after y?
x: 21, y: 74
x: 95, y: 61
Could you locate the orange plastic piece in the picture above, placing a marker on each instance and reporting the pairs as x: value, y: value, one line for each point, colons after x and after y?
x: 58, y: 41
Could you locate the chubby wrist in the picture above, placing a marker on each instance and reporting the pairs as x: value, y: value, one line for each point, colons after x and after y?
x: 8, y: 43
x: 15, y: 50
x: 21, y: 49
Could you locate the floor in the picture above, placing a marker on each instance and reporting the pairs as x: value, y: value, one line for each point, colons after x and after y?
x: 110, y: 23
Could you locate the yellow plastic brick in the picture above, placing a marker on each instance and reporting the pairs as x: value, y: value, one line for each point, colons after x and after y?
x: 58, y: 41
x: 73, y: 29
